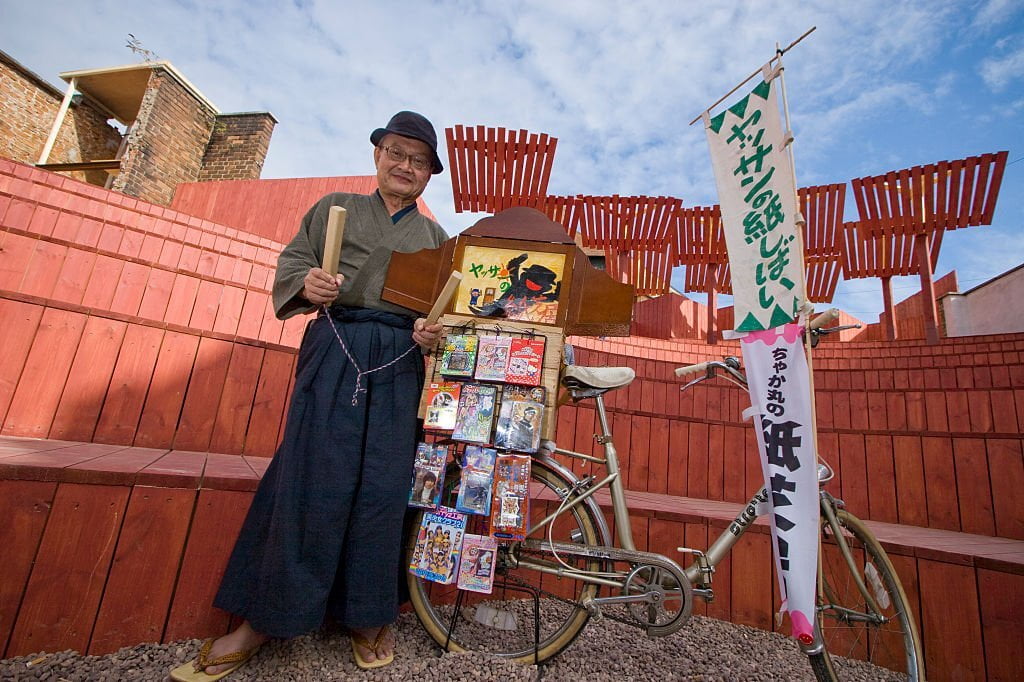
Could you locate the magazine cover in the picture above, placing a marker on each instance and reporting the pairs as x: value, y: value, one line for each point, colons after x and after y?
x: 510, y: 511
x: 442, y: 406
x: 537, y: 394
x: 477, y: 479
x: 476, y: 413
x: 525, y: 361
x: 476, y: 570
x: 519, y: 425
x: 459, y: 355
x: 492, y: 358
x: 428, y: 475
x: 438, y: 545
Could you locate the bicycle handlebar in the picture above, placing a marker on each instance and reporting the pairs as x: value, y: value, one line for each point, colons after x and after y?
x: 692, y: 369
x: 823, y: 319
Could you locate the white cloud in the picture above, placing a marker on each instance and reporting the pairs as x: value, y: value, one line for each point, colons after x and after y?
x: 999, y: 72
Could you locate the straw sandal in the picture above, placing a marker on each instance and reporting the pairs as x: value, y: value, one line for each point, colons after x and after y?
x: 196, y: 670
x: 359, y: 641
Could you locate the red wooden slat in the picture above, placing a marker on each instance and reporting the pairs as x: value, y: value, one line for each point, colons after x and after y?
x: 129, y: 384
x: 24, y: 506
x: 139, y: 589
x: 237, y: 400
x: 42, y: 381
x: 164, y: 400
x: 21, y: 321
x: 88, y: 380
x: 218, y: 518
x: 75, y: 553
x: 203, y: 396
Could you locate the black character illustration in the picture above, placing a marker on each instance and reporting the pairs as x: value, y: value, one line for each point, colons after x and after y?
x: 535, y: 284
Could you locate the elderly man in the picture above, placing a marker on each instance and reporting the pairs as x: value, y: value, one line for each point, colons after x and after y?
x: 323, y: 534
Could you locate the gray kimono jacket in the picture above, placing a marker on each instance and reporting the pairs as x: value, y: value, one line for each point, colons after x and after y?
x: 370, y: 238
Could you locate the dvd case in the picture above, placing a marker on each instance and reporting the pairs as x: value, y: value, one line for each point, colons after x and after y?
x: 525, y: 361
x: 438, y: 546
x: 428, y: 475
x: 476, y: 570
x: 476, y: 413
x: 442, y: 406
x: 459, y: 356
x: 492, y: 358
x: 519, y: 425
x: 510, y: 509
x: 477, y: 479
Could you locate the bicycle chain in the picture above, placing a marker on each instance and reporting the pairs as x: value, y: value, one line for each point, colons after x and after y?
x: 576, y: 605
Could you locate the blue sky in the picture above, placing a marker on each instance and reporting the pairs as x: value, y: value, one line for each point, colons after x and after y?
x: 879, y: 86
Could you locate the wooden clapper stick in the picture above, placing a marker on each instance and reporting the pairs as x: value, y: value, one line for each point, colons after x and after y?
x: 332, y: 240
x: 443, y: 298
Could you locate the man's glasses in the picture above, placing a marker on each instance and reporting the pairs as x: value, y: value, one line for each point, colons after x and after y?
x: 417, y: 161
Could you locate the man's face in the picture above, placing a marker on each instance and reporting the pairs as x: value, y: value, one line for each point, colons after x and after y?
x: 401, y: 179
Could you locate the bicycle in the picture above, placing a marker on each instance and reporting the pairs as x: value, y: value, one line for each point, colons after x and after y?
x: 569, y: 556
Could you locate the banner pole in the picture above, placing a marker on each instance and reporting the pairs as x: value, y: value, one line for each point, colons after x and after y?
x: 778, y: 56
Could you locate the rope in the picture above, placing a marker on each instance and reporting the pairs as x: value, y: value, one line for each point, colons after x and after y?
x: 360, y: 373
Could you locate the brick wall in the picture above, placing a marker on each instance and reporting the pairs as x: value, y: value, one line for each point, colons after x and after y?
x: 237, y: 147
x: 28, y: 107
x: 167, y: 142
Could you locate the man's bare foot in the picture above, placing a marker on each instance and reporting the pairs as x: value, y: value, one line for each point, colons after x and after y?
x: 386, y: 647
x: 243, y: 638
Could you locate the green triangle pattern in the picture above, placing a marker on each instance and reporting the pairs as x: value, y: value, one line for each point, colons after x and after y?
x: 740, y: 108
x: 750, y: 324
x: 762, y: 90
x: 717, y: 121
x: 779, y: 317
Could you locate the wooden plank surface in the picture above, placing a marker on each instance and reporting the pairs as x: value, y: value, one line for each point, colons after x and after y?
x: 218, y: 518
x: 25, y: 508
x: 82, y: 400
x: 174, y: 362
x: 21, y: 321
x: 205, y: 386
x: 64, y: 590
x: 129, y: 384
x: 46, y: 369
x: 139, y: 587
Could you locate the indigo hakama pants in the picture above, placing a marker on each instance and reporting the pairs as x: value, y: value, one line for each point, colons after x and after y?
x: 324, y: 532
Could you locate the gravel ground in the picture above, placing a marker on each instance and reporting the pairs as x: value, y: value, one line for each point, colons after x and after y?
x: 706, y: 649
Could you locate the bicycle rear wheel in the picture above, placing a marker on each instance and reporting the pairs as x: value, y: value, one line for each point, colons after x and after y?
x: 530, y: 616
x: 851, y: 626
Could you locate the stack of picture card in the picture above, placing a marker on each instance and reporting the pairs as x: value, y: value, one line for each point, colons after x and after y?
x: 525, y: 361
x: 428, y: 475
x: 442, y: 405
x: 438, y: 545
x: 475, y: 413
x: 510, y: 508
x: 476, y: 570
x: 477, y: 479
x: 459, y: 356
x: 519, y: 423
x: 492, y: 359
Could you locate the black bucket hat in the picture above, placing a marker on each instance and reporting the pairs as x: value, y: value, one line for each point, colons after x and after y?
x: 416, y: 126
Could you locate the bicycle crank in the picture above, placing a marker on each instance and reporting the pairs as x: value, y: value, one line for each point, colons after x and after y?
x: 654, y: 590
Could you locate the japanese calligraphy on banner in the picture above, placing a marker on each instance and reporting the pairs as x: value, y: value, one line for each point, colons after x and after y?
x: 758, y: 201
x: 780, y: 395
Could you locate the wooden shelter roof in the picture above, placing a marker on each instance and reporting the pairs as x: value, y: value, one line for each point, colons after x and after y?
x: 885, y: 255
x: 493, y: 168
x: 946, y: 195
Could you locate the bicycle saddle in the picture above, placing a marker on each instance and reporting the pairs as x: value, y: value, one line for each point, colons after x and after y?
x: 606, y: 378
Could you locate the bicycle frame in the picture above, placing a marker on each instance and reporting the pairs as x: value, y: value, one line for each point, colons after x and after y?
x: 699, y: 572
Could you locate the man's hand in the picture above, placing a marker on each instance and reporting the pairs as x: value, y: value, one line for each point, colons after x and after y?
x: 319, y: 287
x: 426, y: 335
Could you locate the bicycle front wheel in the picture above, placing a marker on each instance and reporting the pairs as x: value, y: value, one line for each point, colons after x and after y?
x: 530, y: 616
x: 880, y: 630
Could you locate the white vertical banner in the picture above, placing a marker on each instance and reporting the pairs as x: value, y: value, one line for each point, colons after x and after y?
x: 780, y: 394
x: 754, y: 177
